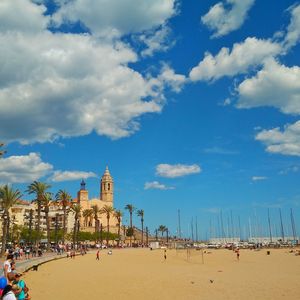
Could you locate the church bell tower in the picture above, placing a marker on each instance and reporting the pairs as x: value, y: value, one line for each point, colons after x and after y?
x: 107, y: 188
x: 83, y: 194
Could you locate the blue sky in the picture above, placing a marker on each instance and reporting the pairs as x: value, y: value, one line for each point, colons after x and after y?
x: 193, y: 105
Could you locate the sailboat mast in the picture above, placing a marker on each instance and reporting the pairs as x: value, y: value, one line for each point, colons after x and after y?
x: 269, y: 221
x: 281, y: 225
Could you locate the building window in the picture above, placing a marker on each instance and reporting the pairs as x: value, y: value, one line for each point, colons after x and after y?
x: 108, y: 186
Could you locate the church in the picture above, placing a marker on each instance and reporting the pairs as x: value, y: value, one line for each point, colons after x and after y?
x: 87, y: 220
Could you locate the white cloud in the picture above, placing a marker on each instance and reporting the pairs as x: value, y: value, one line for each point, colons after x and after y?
x: 178, y: 170
x: 290, y: 169
x: 227, y: 102
x: 170, y: 78
x: 71, y: 175
x: 227, y: 16
x: 155, y: 185
x: 23, y: 169
x: 285, y: 142
x: 250, y: 53
x: 293, y: 31
x: 16, y: 15
x: 259, y: 178
x: 275, y: 85
x: 156, y: 41
x: 116, y: 17
x: 65, y: 85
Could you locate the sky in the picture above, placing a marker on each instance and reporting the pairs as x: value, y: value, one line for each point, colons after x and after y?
x: 193, y: 106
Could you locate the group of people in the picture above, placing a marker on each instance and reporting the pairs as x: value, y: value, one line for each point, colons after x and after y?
x: 12, y: 286
x: 25, y: 252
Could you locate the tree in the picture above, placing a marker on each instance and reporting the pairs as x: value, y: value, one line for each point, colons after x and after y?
x: 96, y: 211
x: 47, y: 201
x: 140, y: 213
x: 87, y: 214
x: 39, y: 189
x: 64, y: 199
x: 130, y: 208
x: 30, y: 235
x: 8, y: 197
x: 76, y: 209
x: 108, y: 211
x: 162, y: 229
x: 118, y: 215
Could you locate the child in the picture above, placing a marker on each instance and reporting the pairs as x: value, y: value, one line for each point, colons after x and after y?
x: 23, y: 294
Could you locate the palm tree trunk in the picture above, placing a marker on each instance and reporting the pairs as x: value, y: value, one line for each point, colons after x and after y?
x: 64, y: 225
x: 38, y: 225
x: 96, y: 225
x: 142, y: 220
x: 74, y: 232
x: 48, y: 228
x: 119, y: 235
x: 4, y: 234
x: 8, y: 237
x: 107, y: 234
x: 131, y: 228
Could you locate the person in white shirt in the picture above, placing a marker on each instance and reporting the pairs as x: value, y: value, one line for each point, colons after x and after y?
x: 7, y: 265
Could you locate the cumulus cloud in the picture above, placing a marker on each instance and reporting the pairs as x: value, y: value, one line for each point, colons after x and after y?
x: 106, y: 18
x: 285, y: 142
x: 259, y: 178
x: 16, y: 15
x: 250, y: 53
x: 156, y: 41
x: 293, y: 31
x: 275, y: 85
x: 155, y: 185
x: 168, y: 77
x: 178, y: 170
x: 23, y: 169
x: 65, y: 85
x: 226, y: 16
x: 71, y: 175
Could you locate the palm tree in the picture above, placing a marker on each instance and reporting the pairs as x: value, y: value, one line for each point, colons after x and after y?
x: 39, y: 189
x: 8, y: 198
x: 2, y: 152
x: 162, y: 229
x: 118, y: 215
x: 47, y: 201
x: 87, y: 214
x: 130, y: 208
x: 96, y: 211
x: 140, y: 213
x: 107, y: 210
x: 64, y: 199
x: 76, y: 209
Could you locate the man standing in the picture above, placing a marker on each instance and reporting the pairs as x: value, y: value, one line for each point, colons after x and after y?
x: 98, y: 255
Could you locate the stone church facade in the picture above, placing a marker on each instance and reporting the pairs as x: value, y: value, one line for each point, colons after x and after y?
x: 106, y: 198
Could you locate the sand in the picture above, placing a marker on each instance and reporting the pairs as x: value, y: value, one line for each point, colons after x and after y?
x: 143, y: 274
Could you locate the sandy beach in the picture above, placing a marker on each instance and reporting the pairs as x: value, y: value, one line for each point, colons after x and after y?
x: 143, y: 274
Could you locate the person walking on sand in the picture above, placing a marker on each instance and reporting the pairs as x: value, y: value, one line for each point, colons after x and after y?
x: 98, y: 255
x: 165, y: 254
x: 237, y: 251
